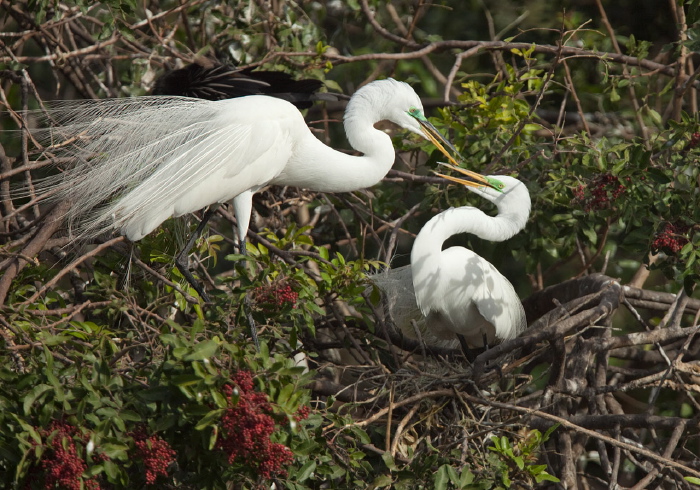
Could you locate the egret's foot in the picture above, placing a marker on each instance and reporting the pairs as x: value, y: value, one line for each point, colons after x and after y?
x: 495, y: 367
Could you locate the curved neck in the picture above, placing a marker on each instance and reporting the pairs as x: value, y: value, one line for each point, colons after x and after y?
x: 466, y: 219
x: 321, y: 168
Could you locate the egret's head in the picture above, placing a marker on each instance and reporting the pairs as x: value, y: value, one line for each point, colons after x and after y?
x: 504, y: 191
x: 397, y: 102
x: 481, y: 184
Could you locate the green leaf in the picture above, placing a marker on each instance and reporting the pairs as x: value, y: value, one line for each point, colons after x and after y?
x: 360, y: 434
x: 111, y: 469
x: 213, y: 437
x: 305, y: 471
x: 219, y: 399
x: 382, y: 481
x: 389, y: 461
x: 155, y: 394
x: 614, y: 96
x: 506, y: 479
x: 106, y: 412
x: 209, y: 419
x: 591, y: 235
x: 285, y: 394
x: 544, y: 476
x: 203, y: 350
x: 323, y: 252
x: 357, y: 455
x: 115, y: 451
x: 164, y: 423
x: 658, y: 175
x: 466, y: 478
x: 182, y: 380
x: 442, y: 477
x: 33, y: 395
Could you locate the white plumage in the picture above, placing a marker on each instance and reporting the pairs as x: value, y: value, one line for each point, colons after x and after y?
x: 456, y: 291
x: 142, y: 160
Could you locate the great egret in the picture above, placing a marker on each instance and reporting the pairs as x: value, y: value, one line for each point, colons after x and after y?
x: 142, y: 160
x: 207, y: 79
x: 455, y: 292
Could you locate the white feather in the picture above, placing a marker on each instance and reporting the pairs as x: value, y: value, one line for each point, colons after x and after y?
x: 456, y: 291
x: 139, y: 161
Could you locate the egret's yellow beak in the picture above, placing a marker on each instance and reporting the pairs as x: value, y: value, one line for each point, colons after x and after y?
x: 434, y: 136
x: 472, y: 179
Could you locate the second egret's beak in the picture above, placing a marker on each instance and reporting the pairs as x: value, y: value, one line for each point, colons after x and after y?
x: 432, y: 134
x: 472, y: 179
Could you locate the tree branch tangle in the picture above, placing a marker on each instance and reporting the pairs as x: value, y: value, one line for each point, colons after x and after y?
x: 114, y: 371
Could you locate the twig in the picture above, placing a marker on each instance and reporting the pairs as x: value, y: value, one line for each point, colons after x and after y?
x: 664, y: 461
x: 36, y: 244
x: 72, y: 266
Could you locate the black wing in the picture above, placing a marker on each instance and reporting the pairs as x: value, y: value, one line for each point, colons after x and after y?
x: 219, y: 82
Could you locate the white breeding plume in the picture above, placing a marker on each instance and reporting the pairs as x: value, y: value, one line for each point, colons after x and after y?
x: 142, y: 160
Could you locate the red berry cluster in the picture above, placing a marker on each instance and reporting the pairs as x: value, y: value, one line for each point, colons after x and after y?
x: 602, y: 192
x: 61, y: 464
x: 302, y: 413
x: 247, y: 428
x: 694, y: 140
x: 670, y: 239
x: 155, y: 453
x: 276, y: 295
x: 244, y: 380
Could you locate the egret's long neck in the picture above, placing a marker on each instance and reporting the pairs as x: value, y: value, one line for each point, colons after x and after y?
x: 321, y: 168
x: 466, y: 220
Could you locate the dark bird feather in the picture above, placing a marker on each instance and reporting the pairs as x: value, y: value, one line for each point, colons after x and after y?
x: 217, y: 82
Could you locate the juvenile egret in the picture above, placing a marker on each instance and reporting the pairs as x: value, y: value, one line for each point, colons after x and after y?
x: 455, y: 292
x: 139, y: 161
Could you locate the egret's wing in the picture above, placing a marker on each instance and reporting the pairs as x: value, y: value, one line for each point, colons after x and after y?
x: 136, y: 156
x: 205, y: 79
x: 400, y: 301
x: 499, y: 304
x: 397, y: 286
x: 464, y: 294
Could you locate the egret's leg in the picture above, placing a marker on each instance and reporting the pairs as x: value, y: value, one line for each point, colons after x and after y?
x: 468, y: 352
x: 243, y: 209
x: 182, y: 260
x: 471, y: 354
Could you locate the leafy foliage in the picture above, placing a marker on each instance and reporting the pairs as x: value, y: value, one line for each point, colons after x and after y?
x: 114, y: 375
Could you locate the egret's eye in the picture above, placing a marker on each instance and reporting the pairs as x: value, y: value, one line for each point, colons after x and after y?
x: 416, y: 112
x: 496, y: 184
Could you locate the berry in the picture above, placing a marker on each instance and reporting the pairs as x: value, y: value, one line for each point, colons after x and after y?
x: 244, y: 380
x: 247, y: 428
x: 275, y: 295
x: 602, y: 192
x: 61, y: 465
x: 670, y: 239
x: 155, y: 453
x: 694, y: 140
x: 302, y: 413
